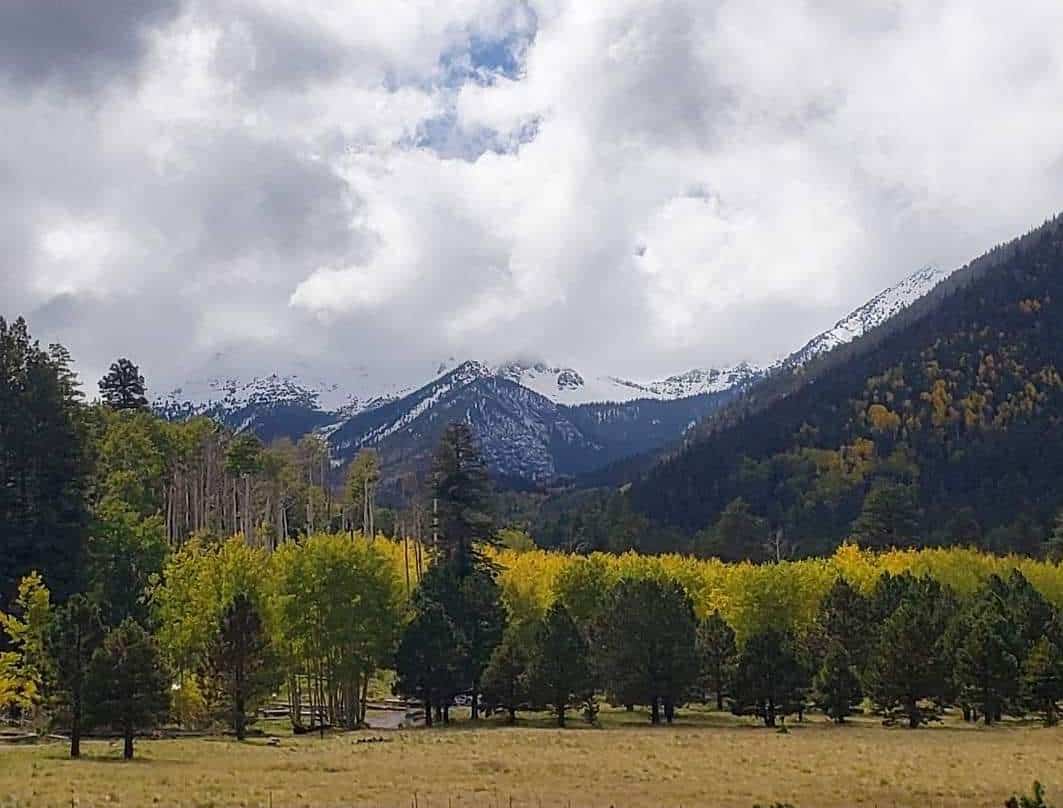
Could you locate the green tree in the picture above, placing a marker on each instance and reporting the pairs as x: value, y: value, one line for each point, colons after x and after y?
x: 126, y: 686
x: 243, y: 662
x: 125, y: 555
x: 24, y: 665
x: 737, y: 535
x: 845, y: 616
x: 987, y: 668
x: 123, y: 387
x: 909, y: 666
x: 769, y: 679
x: 44, y: 465
x: 559, y: 670
x: 836, y: 686
x: 505, y: 680
x: 889, y: 517
x: 462, y: 498
x: 427, y: 665
x: 1054, y: 542
x: 717, y: 652
x: 1042, y: 680
x: 73, y: 635
x: 645, y: 645
x: 362, y: 479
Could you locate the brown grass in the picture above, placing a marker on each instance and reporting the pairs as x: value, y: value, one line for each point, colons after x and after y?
x: 704, y: 760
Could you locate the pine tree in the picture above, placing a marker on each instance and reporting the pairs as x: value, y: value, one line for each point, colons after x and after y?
x: 505, y: 680
x: 889, y: 518
x: 1042, y: 680
x: 559, y: 671
x: 845, y: 617
x: 127, y: 687
x: 769, y: 679
x: 717, y: 652
x: 462, y: 499
x: 987, y: 667
x: 836, y: 686
x: 909, y: 665
x: 73, y: 635
x: 123, y: 387
x: 125, y: 554
x: 427, y: 664
x: 44, y: 465
x: 645, y: 645
x: 242, y: 661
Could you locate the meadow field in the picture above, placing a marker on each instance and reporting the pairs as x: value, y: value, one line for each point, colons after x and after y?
x: 705, y: 759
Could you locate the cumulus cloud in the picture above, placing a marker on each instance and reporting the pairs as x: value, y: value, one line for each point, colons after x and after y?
x: 636, y: 187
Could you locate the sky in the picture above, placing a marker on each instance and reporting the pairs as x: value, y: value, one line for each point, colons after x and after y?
x: 636, y: 187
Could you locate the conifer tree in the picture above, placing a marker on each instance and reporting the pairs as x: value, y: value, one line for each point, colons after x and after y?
x: 769, y: 680
x: 559, y: 671
x: 1042, y: 680
x: 987, y: 668
x: 836, y: 686
x: 845, y: 617
x: 717, y: 652
x: 462, y: 498
x: 127, y: 687
x: 889, y: 518
x: 427, y: 664
x: 242, y: 661
x: 73, y: 635
x: 505, y: 680
x: 645, y: 645
x: 123, y: 387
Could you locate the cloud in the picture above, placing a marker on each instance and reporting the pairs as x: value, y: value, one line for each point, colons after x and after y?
x: 636, y: 187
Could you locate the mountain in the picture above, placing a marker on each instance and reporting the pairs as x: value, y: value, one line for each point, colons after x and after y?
x: 537, y: 422
x: 943, y: 423
x: 524, y: 435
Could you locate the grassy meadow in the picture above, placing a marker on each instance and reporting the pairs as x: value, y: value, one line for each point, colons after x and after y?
x: 705, y: 759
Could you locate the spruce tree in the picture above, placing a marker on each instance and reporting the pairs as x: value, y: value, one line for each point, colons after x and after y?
x: 461, y: 492
x: 123, y: 387
x: 645, y: 645
x: 717, y: 652
x: 427, y: 663
x: 559, y: 670
x: 769, y: 679
x: 836, y: 686
x: 505, y: 680
x: 241, y: 660
x: 127, y: 687
x: 889, y: 518
x: 987, y: 668
x: 909, y: 666
x: 1042, y: 680
x: 845, y: 616
x: 44, y: 466
x: 72, y: 636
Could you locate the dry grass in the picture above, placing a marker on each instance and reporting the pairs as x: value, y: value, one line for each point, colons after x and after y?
x: 705, y: 760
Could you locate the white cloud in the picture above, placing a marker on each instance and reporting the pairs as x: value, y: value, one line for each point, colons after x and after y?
x: 640, y: 185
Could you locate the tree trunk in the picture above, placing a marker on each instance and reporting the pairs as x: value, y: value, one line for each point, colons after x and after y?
x: 75, y: 726
x: 669, y: 710
x: 427, y: 713
x: 655, y: 711
x: 127, y: 751
x: 475, y: 700
x: 561, y: 715
x: 512, y: 719
x: 769, y: 714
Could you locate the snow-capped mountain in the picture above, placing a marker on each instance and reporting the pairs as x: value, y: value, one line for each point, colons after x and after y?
x: 536, y: 421
x: 873, y: 313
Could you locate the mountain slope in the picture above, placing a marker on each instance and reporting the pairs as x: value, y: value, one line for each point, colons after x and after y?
x: 957, y: 401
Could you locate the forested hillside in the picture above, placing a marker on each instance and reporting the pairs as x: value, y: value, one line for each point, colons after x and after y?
x: 943, y: 427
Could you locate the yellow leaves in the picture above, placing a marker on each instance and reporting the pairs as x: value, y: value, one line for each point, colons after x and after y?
x: 22, y: 667
x: 882, y: 420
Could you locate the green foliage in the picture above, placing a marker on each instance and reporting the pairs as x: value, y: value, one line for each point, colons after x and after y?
x: 123, y: 387
x: 241, y: 661
x: 126, y: 554
x: 427, y: 662
x: 1023, y: 801
x: 505, y: 680
x: 1042, y: 680
x: 769, y: 679
x: 909, y: 666
x: 889, y: 517
x: 738, y: 534
x: 837, y: 686
x: 73, y: 635
x: 127, y: 687
x: 559, y: 672
x: 845, y: 617
x: 44, y: 465
x: 462, y: 494
x: 988, y: 658
x: 717, y: 653
x: 644, y: 644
